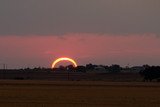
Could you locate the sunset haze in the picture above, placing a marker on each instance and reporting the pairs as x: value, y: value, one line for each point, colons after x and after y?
x: 34, y: 33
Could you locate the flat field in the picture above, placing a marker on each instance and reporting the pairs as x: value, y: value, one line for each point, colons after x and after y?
x: 78, y: 94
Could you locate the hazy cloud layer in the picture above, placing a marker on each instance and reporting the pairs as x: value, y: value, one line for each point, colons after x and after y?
x: 50, y: 17
x: 34, y: 51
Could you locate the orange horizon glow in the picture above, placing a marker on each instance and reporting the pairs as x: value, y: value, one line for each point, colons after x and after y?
x: 64, y: 59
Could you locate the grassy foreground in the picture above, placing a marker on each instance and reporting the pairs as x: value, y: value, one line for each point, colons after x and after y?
x: 78, y: 94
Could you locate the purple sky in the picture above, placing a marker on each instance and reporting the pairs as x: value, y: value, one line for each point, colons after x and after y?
x: 35, y: 32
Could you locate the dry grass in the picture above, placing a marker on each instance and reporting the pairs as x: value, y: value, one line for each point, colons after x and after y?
x: 78, y: 94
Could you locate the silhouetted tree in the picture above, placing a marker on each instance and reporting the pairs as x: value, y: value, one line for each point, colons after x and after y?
x: 70, y: 68
x: 151, y: 73
x: 90, y: 66
x: 115, y: 68
x: 62, y: 68
x: 146, y: 66
x: 106, y: 68
x: 81, y: 69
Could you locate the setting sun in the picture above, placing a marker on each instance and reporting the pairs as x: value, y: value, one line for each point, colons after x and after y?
x: 64, y: 59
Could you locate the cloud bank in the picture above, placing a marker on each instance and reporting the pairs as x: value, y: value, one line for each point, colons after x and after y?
x: 52, y: 17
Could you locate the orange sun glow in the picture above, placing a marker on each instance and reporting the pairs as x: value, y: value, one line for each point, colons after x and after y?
x: 64, y: 59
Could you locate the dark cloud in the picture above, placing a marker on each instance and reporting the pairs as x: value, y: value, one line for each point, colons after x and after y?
x: 49, y: 17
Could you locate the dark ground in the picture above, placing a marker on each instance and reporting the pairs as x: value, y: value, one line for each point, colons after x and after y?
x: 42, y: 93
x: 72, y: 76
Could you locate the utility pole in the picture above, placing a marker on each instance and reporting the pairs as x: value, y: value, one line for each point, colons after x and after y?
x: 67, y: 73
x: 4, y: 66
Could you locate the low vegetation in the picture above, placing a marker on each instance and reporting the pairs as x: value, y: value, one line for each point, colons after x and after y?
x: 78, y: 94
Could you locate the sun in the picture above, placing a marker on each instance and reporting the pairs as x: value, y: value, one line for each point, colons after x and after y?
x: 64, y: 59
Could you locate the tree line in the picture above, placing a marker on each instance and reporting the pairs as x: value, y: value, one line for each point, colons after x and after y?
x: 148, y: 73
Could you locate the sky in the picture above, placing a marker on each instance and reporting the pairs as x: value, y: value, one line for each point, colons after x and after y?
x: 35, y: 32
